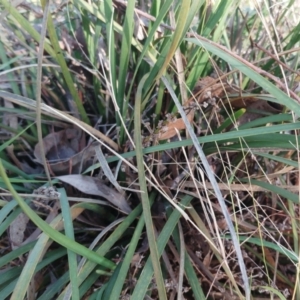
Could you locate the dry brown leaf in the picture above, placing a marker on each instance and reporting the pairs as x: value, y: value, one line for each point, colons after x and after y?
x: 136, y: 260
x: 58, y: 145
x: 95, y: 186
x: 207, y: 259
x: 17, y: 229
x: 171, y: 128
x: 61, y: 150
x: 208, y: 88
x: 241, y: 102
x: 76, y: 163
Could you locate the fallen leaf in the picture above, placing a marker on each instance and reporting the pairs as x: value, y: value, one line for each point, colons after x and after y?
x: 208, y: 88
x: 17, y: 229
x: 58, y: 145
x: 95, y: 186
x: 61, y: 150
x: 171, y: 128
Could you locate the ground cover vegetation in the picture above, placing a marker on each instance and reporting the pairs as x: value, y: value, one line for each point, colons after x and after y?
x: 149, y: 149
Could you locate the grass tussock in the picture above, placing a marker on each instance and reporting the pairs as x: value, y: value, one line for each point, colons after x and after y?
x: 149, y: 150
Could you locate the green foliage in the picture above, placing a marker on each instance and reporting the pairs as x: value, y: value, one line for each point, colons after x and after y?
x: 113, y: 70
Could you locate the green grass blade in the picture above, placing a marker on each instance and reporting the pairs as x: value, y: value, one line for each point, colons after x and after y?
x: 69, y: 231
x: 5, y: 211
x: 124, y: 266
x: 189, y: 269
x: 144, y: 194
x: 6, y: 65
x: 6, y: 259
x: 146, y: 276
x: 281, y: 118
x: 125, y: 56
x: 274, y: 189
x: 56, y: 287
x: 109, y: 20
x: 278, y: 248
x: 9, y: 219
x: 168, y: 52
x: 163, y: 11
x: 20, y: 285
x: 64, y: 68
x: 259, y: 133
x: 10, y: 141
x: 280, y: 159
x: 35, y: 256
x: 107, y: 245
x: 53, y: 234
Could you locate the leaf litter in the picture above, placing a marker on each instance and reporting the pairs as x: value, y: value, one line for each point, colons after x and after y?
x: 95, y: 186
